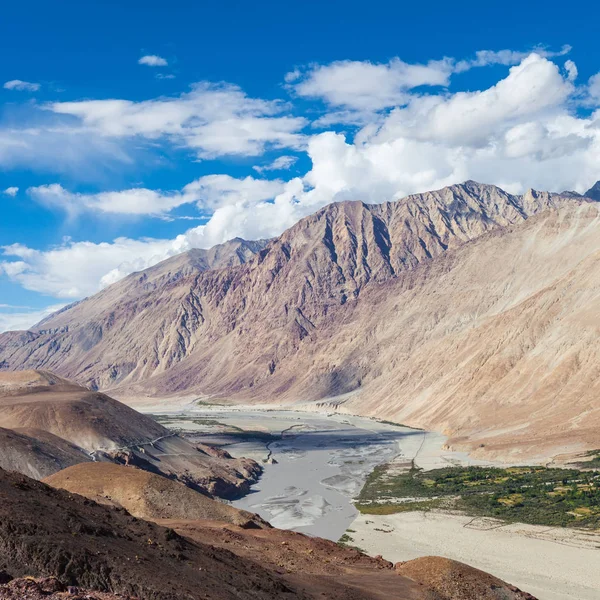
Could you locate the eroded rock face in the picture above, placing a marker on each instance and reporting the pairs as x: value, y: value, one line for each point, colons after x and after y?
x: 407, y: 310
x: 151, y: 321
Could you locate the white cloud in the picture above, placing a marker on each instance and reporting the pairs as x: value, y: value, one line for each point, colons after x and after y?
x: 281, y: 163
x: 16, y: 321
x: 533, y: 90
x: 354, y: 90
x: 212, y: 119
x: 21, y: 86
x: 486, y: 58
x: 521, y: 132
x: 11, y: 191
x: 571, y: 69
x: 61, y: 148
x: 214, y: 191
x: 366, y: 86
x: 152, y: 60
x: 75, y: 269
x: 207, y: 193
x: 594, y: 89
x: 136, y: 201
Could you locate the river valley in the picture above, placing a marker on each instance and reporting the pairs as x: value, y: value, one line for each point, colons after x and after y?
x: 316, y: 463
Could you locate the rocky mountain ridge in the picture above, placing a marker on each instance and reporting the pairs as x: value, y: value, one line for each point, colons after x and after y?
x: 297, y: 322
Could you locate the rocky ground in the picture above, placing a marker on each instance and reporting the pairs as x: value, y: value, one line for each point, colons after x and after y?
x: 47, y: 532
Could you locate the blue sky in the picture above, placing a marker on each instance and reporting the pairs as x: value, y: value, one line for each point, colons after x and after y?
x: 133, y: 131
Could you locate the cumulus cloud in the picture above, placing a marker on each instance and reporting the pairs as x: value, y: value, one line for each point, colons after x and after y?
x: 533, y: 89
x: 213, y: 120
x: 354, y: 90
x: 152, y: 60
x: 21, y: 86
x: 207, y: 193
x: 522, y: 132
x: 16, y: 321
x: 75, y: 269
x: 281, y: 163
x: 11, y: 191
x: 362, y: 85
x: 214, y: 191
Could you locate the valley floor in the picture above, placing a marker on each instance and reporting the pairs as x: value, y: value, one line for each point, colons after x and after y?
x: 322, y: 461
x: 550, y: 563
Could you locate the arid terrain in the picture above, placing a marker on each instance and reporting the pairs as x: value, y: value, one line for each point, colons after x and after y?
x: 467, y: 310
x: 48, y: 423
x: 147, y: 495
x: 47, y: 532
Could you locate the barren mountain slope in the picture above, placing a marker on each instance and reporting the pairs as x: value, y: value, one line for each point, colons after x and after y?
x: 325, y: 562
x: 407, y: 305
x: 90, y: 420
x: 152, y: 321
x: 496, y: 343
x: 37, y: 453
x: 49, y: 407
x: 146, y: 495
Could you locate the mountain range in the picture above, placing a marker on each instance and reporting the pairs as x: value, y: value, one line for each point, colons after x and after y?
x: 467, y: 310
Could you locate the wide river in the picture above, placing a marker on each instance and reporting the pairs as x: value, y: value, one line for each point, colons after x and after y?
x: 320, y: 462
x: 315, y: 463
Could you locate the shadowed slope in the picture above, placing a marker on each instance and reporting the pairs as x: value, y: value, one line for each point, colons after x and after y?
x: 37, y: 453
x: 49, y: 532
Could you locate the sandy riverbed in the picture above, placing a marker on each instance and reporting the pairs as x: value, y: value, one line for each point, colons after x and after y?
x: 322, y: 462
x: 550, y: 563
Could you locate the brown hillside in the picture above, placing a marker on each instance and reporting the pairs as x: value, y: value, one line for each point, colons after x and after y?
x: 106, y: 430
x: 454, y: 581
x: 91, y: 420
x: 49, y: 532
x: 146, y: 495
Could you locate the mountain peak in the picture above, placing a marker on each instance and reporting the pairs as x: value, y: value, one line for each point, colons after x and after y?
x: 154, y: 320
x: 594, y: 192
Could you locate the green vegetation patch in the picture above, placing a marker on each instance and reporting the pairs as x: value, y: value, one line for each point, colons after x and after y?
x: 536, y: 495
x: 346, y: 541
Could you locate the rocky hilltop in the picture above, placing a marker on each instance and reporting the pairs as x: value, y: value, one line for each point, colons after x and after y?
x: 464, y: 309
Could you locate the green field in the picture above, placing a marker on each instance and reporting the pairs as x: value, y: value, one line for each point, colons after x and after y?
x: 536, y: 495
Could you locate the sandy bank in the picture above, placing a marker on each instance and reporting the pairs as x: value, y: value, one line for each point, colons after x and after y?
x: 551, y: 563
